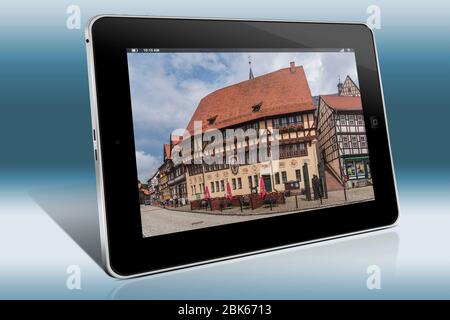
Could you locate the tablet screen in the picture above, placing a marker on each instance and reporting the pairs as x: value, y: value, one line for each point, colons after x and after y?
x: 226, y: 136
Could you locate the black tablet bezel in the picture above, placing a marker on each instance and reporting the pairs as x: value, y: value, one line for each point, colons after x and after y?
x: 129, y: 253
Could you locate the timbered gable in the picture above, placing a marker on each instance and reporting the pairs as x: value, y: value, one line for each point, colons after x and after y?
x: 349, y: 88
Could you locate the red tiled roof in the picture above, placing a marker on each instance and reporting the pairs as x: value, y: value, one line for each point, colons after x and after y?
x: 279, y: 92
x: 343, y: 103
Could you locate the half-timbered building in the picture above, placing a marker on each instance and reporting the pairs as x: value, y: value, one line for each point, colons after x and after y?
x: 278, y: 100
x: 342, y: 137
x: 164, y: 171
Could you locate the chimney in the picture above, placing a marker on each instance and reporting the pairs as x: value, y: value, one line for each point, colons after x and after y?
x: 292, y: 66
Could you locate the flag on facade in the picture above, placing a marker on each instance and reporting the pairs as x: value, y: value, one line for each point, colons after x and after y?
x: 229, y: 194
x: 262, y: 187
x: 206, y: 193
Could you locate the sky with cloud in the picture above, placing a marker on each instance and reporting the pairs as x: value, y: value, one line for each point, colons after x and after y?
x: 167, y: 87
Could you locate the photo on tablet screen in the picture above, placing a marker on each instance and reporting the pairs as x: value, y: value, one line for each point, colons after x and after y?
x: 226, y: 136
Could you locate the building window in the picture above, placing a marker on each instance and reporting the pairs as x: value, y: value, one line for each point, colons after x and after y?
x: 256, y: 180
x: 212, y: 187
x: 282, y: 150
x: 345, y: 141
x: 283, y: 121
x: 276, y: 123
x: 239, y: 183
x: 303, y: 150
x: 257, y: 107
x: 360, y: 120
x: 354, y: 142
x: 222, y: 185
x: 351, y: 120
x: 217, y: 186
x: 277, y: 178
x: 362, y: 139
x: 295, y: 150
x: 250, y: 182
x: 233, y: 182
x: 291, y: 120
x: 212, y: 120
x: 342, y: 119
x: 298, y: 175
x: 284, y: 176
x: 253, y: 125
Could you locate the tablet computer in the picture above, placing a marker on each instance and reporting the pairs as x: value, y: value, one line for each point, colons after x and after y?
x: 215, y: 139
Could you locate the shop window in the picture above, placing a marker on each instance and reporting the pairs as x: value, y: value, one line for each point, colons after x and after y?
x: 250, y: 182
x: 360, y: 169
x: 350, y: 169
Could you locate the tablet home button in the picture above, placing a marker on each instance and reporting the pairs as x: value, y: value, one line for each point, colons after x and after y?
x: 374, y: 122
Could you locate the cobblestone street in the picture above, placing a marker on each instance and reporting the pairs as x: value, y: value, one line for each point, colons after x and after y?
x: 157, y: 220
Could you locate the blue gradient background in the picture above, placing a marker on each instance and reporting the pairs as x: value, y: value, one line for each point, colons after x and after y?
x: 45, y: 139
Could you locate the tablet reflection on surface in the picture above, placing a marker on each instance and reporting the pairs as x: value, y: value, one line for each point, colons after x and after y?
x: 314, y: 271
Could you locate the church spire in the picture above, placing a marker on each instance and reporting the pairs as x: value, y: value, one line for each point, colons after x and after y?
x: 340, y: 85
x: 250, y: 73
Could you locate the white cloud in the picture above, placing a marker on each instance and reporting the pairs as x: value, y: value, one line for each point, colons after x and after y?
x: 187, y: 62
x: 147, y: 165
x: 166, y: 88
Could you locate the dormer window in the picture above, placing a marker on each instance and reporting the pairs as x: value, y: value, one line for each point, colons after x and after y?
x: 212, y: 120
x: 257, y: 107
